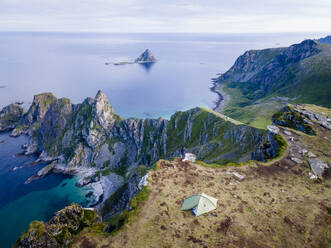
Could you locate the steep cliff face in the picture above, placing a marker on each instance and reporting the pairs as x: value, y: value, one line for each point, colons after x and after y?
x: 91, y: 134
x: 249, y: 64
x: 39, y: 107
x: 258, y: 73
x: 91, y: 137
x: 212, y: 138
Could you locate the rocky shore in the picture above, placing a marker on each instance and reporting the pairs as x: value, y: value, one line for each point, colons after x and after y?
x: 222, y: 99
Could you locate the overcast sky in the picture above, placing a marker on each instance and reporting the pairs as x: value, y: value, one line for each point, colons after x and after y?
x: 166, y: 15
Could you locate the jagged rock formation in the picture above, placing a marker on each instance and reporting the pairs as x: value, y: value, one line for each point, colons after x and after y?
x: 90, y: 136
x: 9, y: 116
x: 290, y: 117
x: 300, y: 118
x: 60, y: 230
x: 121, y: 198
x: 146, y: 57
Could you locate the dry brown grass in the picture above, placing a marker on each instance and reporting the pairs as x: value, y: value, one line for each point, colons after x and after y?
x: 273, y: 206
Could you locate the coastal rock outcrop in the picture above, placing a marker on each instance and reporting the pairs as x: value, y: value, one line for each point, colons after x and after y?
x: 60, y: 230
x: 10, y: 116
x: 317, y: 166
x: 146, y: 57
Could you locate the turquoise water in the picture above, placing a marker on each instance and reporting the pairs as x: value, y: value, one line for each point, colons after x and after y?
x: 37, y: 205
x: 21, y: 203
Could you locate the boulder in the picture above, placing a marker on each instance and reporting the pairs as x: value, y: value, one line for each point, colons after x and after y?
x: 273, y: 129
x: 296, y: 160
x: 189, y: 157
x: 311, y: 155
x: 312, y: 176
x: 143, y: 182
x: 317, y: 166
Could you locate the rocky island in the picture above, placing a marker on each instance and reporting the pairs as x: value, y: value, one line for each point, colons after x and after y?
x: 145, y: 58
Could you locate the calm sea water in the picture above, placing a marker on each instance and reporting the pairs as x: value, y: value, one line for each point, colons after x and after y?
x: 73, y: 66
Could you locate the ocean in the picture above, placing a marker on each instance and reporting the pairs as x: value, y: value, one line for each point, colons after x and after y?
x: 73, y: 65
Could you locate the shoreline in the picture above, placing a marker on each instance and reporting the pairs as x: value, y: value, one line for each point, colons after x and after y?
x: 222, y: 96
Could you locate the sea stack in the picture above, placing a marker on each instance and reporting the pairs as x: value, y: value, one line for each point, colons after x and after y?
x: 146, y: 57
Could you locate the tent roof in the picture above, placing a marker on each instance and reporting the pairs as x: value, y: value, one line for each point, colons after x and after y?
x: 202, y: 202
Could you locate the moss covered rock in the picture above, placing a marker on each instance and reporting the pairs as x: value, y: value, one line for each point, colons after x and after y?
x: 60, y: 230
x: 290, y: 117
x: 10, y: 116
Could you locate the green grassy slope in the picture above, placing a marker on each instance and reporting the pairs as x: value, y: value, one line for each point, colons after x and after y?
x: 254, y: 100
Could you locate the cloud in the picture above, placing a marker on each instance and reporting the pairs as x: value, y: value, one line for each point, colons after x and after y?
x: 166, y: 16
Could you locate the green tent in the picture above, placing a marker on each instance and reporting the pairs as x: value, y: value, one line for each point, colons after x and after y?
x: 200, y: 204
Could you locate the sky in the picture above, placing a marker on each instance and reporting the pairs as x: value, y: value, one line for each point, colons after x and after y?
x: 230, y: 16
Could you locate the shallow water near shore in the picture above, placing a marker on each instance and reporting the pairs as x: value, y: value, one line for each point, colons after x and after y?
x: 21, y: 203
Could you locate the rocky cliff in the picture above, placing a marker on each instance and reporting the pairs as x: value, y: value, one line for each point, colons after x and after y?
x: 90, y: 138
x: 60, y: 230
x: 10, y: 116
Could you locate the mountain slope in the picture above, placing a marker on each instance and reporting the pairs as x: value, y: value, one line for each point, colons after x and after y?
x: 264, y: 80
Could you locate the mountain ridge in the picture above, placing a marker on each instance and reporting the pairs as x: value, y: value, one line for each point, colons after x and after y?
x: 90, y: 139
x: 274, y: 77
